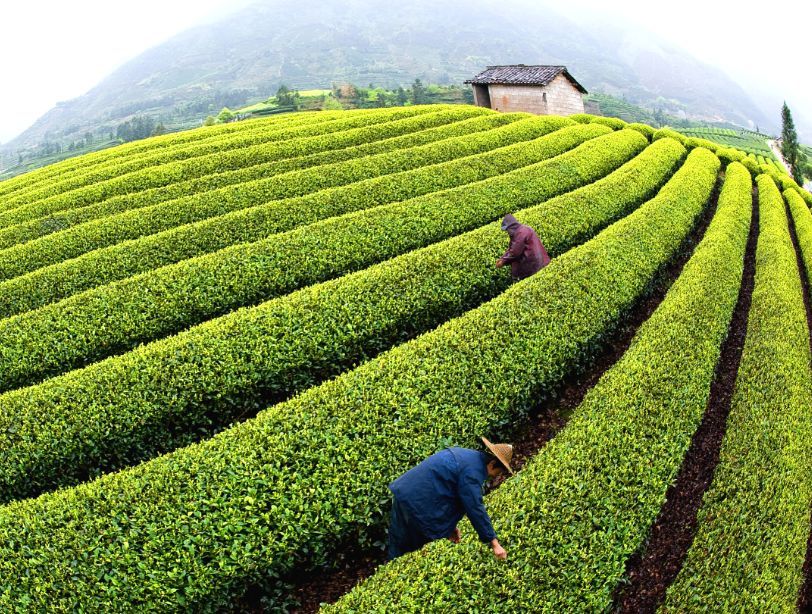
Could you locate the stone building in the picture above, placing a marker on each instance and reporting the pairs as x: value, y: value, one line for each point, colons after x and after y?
x: 543, y: 90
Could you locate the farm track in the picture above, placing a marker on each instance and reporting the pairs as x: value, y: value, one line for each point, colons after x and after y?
x: 311, y: 589
x: 805, y: 594
x: 652, y: 569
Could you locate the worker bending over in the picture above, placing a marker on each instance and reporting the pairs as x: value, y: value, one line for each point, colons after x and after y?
x: 431, y: 498
x: 525, y: 253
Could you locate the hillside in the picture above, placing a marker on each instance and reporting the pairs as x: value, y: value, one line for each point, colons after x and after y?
x: 219, y: 346
x: 246, y: 56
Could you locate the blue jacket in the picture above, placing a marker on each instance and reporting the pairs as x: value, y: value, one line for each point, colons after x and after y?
x: 443, y: 488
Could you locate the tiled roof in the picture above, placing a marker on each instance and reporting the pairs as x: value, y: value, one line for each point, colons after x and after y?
x: 520, y: 74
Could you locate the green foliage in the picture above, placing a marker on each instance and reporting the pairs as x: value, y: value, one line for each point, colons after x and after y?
x: 754, y: 520
x: 790, y: 148
x: 230, y: 503
x: 116, y: 166
x: 95, y: 324
x: 419, y: 130
x: 669, y: 133
x: 692, y: 142
x: 42, y: 175
x: 257, y: 260
x: 612, y: 122
x: 246, y: 357
x: 139, y: 127
x: 646, y: 131
x: 418, y: 92
x: 225, y: 115
x: 252, y: 213
x: 261, y: 147
x: 285, y: 97
x: 802, y: 218
x: 744, y: 140
x: 583, y: 505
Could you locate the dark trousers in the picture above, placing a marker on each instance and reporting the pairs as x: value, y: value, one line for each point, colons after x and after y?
x: 404, y: 534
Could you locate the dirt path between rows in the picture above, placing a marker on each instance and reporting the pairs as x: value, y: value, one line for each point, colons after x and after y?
x: 777, y: 152
x: 805, y: 594
x: 652, y: 569
x: 311, y: 589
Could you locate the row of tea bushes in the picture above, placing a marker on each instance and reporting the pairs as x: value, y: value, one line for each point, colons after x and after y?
x: 279, y: 492
x: 116, y: 317
x: 247, y: 224
x: 135, y: 148
x: 119, y: 166
x: 753, y: 525
x: 80, y: 184
x: 420, y: 130
x: 332, y: 135
x: 239, y: 370
x: 575, y: 513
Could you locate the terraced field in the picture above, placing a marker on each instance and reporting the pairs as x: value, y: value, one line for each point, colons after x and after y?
x: 220, y: 346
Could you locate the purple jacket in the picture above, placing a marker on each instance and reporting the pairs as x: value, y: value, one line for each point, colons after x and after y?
x: 525, y: 253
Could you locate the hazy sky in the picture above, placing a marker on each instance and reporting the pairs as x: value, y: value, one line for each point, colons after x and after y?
x: 57, y: 50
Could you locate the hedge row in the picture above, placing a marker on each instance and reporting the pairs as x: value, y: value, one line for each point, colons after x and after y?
x: 252, y: 224
x: 613, y: 122
x: 270, y: 133
x: 753, y: 525
x: 46, y: 173
x: 670, y: 133
x: 64, y: 438
x: 572, y: 517
x: 119, y: 165
x: 341, y: 133
x: 189, y: 529
x: 802, y: 218
x: 775, y: 171
x: 113, y: 318
x: 420, y: 130
x: 644, y: 129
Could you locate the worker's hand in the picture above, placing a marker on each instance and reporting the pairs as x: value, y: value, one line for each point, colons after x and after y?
x: 499, y: 552
x: 455, y: 535
x: 500, y: 263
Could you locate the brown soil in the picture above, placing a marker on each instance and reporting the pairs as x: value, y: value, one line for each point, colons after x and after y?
x: 805, y: 595
x: 545, y: 420
x: 652, y: 569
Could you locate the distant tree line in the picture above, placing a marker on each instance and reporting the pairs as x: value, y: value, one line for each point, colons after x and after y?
x: 354, y: 96
x: 139, y: 127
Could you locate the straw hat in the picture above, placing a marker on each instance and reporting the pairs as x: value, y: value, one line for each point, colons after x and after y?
x: 502, y: 451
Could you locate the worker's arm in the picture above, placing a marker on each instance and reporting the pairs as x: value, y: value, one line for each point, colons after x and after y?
x: 471, y: 496
x: 515, y: 249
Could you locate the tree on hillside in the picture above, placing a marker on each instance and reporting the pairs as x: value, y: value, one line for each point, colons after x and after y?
x: 403, y: 97
x: 789, y: 144
x: 139, y: 127
x: 418, y: 92
x: 226, y: 115
x: 285, y: 97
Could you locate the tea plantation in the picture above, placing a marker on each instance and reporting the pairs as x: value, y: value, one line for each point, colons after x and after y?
x: 218, y: 347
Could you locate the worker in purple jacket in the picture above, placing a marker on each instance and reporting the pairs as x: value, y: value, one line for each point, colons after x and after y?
x: 525, y: 253
x: 430, y: 499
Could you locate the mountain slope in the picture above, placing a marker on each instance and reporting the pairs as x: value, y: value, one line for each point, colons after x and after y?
x: 248, y: 54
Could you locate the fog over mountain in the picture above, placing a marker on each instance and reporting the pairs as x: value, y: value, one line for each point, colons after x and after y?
x: 309, y: 45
